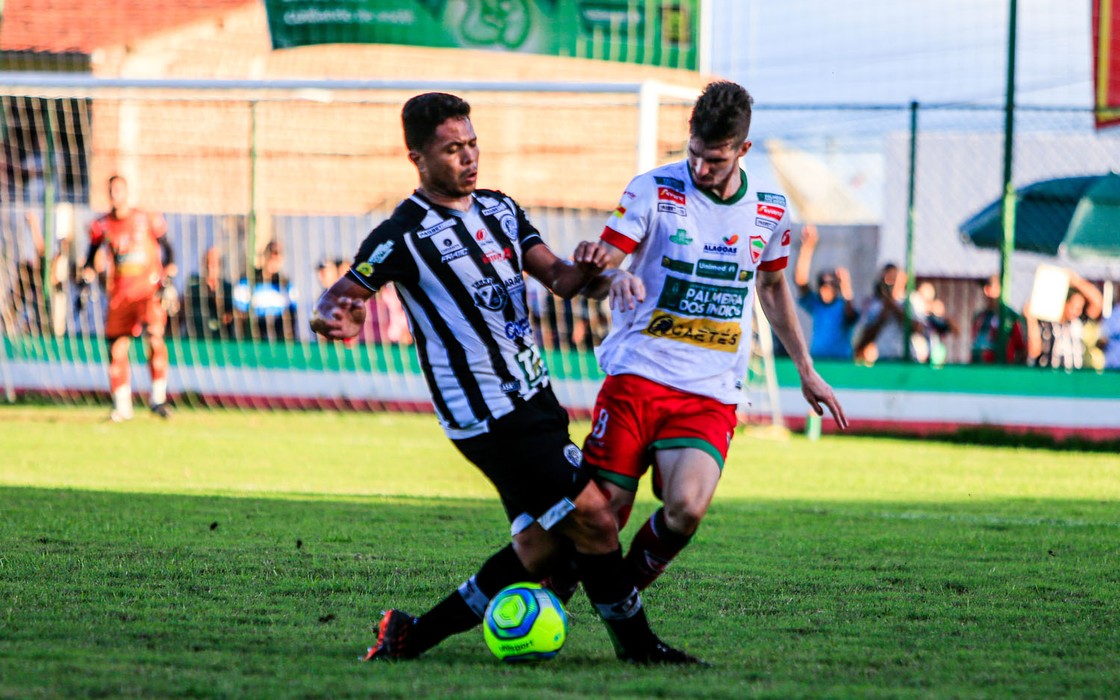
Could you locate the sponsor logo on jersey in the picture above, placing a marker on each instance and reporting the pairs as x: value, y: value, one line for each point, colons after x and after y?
x: 518, y: 329
x: 717, y: 269
x: 449, y: 246
x: 785, y: 237
x: 664, y: 194
x: 702, y: 332
x: 699, y: 299
x: 441, y: 226
x: 745, y: 275
x: 766, y: 223
x: 771, y: 198
x: 514, y: 284
x: 676, y: 265
x: 721, y: 249
x: 629, y: 195
x: 511, y: 387
x: 681, y: 237
x: 670, y: 208
x: 731, y: 240
x: 381, y: 253
x: 364, y: 269
x: 495, y: 209
x: 757, y: 245
x: 770, y: 212
x: 495, y: 256
x: 489, y: 294
x: 480, y: 234
x: 670, y: 182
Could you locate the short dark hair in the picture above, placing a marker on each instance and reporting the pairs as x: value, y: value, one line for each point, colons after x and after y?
x: 722, y: 113
x: 423, y: 114
x: 117, y: 177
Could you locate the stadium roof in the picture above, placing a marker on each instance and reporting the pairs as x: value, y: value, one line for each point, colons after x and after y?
x: 80, y: 26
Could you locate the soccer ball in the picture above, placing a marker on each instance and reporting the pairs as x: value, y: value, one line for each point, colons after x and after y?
x: 525, y: 622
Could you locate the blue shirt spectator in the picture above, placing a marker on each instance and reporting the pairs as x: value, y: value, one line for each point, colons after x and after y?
x: 1110, y: 339
x: 830, y: 306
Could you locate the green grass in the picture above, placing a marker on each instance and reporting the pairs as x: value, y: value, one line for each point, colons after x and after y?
x: 228, y: 554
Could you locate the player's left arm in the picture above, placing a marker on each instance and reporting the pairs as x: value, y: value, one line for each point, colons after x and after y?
x: 167, y: 255
x: 777, y: 304
x: 566, y: 278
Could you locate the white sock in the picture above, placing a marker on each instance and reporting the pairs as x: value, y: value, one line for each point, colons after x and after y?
x: 122, y: 400
x: 159, y: 391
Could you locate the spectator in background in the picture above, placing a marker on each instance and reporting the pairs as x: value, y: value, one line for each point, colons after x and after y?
x: 209, y: 300
x: 270, y: 303
x: 884, y: 318
x: 986, y: 347
x: 1109, y: 340
x: 1062, y: 343
x: 830, y: 306
x: 929, y: 325
x: 25, y: 259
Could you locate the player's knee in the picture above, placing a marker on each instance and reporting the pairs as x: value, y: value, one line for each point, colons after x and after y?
x: 593, y: 529
x: 684, y: 516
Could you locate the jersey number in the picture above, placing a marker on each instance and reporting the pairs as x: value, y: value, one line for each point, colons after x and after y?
x: 532, y: 366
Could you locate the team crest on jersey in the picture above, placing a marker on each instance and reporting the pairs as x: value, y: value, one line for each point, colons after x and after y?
x: 509, y: 226
x: 757, y: 245
x: 573, y: 455
x: 489, y: 294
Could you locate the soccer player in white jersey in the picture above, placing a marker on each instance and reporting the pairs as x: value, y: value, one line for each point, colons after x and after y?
x: 456, y: 255
x: 703, y: 242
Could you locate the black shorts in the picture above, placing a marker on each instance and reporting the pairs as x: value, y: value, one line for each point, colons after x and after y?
x: 530, y: 459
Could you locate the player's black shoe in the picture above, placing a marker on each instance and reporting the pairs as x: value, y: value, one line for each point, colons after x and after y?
x: 162, y: 410
x: 392, y: 636
x: 660, y: 654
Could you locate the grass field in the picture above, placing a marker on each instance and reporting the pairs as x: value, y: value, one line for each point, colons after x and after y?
x: 228, y: 554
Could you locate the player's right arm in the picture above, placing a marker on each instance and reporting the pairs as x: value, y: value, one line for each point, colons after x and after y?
x: 96, y: 238
x: 341, y: 310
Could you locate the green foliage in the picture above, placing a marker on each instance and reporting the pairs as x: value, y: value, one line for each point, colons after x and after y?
x: 228, y: 554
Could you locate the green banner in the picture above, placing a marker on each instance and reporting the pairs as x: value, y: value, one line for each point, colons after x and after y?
x: 650, y: 32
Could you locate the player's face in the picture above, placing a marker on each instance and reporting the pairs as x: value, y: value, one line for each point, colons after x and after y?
x: 449, y: 164
x: 716, y: 165
x: 118, y: 193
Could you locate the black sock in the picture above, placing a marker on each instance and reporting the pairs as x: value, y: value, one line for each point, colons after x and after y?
x: 462, y: 610
x: 610, y: 588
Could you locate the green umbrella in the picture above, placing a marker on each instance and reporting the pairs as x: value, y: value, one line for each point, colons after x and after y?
x: 1080, y: 215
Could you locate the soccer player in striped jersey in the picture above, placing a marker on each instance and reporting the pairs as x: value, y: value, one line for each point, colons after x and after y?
x: 456, y: 255
x: 703, y: 243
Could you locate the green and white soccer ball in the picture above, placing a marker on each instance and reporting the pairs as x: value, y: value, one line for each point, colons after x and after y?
x: 525, y: 622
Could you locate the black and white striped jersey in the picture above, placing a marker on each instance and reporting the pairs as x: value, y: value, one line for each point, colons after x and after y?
x: 459, y: 278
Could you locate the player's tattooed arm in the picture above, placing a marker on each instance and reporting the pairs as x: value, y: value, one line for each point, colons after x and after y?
x: 341, y: 310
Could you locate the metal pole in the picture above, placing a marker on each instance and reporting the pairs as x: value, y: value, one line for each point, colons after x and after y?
x: 911, y: 225
x: 1006, y: 319
x: 49, y: 198
x: 252, y: 242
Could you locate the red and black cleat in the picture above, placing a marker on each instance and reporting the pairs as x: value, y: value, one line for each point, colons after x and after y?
x: 392, y: 636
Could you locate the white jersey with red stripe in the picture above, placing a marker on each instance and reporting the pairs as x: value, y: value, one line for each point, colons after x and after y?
x: 698, y: 257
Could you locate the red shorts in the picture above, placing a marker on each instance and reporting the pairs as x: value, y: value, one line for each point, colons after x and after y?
x: 634, y: 417
x: 128, y: 317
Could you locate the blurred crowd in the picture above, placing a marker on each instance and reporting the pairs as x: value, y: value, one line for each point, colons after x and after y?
x: 888, y: 324
x: 894, y: 324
